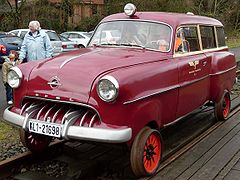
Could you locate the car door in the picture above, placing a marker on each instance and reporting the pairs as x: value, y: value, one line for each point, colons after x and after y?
x: 193, y: 71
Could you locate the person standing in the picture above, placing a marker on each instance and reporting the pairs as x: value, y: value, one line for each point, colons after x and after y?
x: 9, y: 62
x: 36, y: 44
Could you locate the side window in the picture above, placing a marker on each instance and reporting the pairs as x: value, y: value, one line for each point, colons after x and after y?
x: 220, y: 36
x: 23, y: 34
x: 187, y: 40
x: 73, y: 36
x: 15, y: 33
x: 207, y: 36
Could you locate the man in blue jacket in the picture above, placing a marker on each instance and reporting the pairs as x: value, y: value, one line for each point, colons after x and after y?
x: 36, y: 44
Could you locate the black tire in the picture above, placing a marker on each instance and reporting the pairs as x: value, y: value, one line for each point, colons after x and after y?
x: 81, y: 46
x: 222, y: 108
x: 146, y: 152
x: 36, y: 143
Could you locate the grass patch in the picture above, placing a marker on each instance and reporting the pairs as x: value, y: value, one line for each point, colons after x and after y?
x: 233, y: 39
x: 7, y: 132
x: 233, y: 42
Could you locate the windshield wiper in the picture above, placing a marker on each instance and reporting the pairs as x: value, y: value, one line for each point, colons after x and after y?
x: 107, y: 44
x: 130, y: 45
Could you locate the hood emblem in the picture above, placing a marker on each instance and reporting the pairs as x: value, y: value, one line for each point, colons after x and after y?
x: 54, y: 82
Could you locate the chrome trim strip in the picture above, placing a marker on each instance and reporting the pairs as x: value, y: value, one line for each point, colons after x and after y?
x: 100, y: 134
x: 75, y: 132
x: 25, y: 121
x: 176, y: 55
x: 49, y: 110
x: 68, y: 60
x: 83, y: 118
x: 153, y: 94
x: 142, y: 20
x: 40, y: 111
x: 177, y: 86
x: 65, y: 115
x: 70, y: 119
x: 73, y: 58
x: 67, y: 102
x: 23, y: 107
x: 55, y: 115
x: 13, y: 118
x: 92, y: 120
x: 222, y: 72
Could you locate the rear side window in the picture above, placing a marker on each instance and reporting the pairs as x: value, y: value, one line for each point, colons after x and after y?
x: 22, y: 34
x: 53, y: 36
x: 76, y: 36
x: 220, y: 36
x: 207, y: 36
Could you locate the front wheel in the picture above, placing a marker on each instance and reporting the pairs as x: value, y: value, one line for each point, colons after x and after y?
x: 36, y: 143
x: 146, y: 152
x: 222, y: 108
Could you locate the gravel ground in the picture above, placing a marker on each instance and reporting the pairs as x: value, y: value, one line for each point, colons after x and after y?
x: 10, y: 146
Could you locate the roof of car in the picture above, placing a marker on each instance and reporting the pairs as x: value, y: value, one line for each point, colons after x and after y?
x: 7, y: 35
x: 28, y: 30
x: 173, y: 19
x: 74, y: 32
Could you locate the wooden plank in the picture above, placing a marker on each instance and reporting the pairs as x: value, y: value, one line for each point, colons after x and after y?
x: 233, y: 164
x: 193, y: 160
x: 219, y: 160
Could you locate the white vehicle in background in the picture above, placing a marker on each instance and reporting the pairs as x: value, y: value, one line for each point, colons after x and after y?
x: 53, y: 36
x: 81, y: 38
x: 67, y: 44
x: 106, y: 36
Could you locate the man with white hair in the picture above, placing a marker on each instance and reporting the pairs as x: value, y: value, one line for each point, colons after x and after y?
x: 36, y: 44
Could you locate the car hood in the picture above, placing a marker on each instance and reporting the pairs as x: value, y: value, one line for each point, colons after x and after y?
x: 75, y: 72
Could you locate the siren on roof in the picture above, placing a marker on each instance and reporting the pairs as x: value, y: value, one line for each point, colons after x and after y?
x: 189, y: 13
x: 130, y: 9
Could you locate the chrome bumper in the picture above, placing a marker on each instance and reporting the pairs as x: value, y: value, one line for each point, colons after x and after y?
x: 109, y: 135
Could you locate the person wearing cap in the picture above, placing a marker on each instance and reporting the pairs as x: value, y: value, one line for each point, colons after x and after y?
x: 10, y: 61
x: 36, y: 44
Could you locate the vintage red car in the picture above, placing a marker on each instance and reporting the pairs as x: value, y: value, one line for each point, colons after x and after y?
x: 151, y: 70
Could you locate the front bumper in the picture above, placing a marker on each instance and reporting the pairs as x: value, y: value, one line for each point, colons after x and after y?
x: 69, y: 131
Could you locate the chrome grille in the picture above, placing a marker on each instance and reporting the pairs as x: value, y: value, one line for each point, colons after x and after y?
x: 59, y: 112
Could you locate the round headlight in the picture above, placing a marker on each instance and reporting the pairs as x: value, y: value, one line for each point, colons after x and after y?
x: 130, y: 9
x: 107, y: 88
x: 14, y: 77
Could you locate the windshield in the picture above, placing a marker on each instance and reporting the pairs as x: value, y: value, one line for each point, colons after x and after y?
x: 149, y: 35
x: 12, y: 40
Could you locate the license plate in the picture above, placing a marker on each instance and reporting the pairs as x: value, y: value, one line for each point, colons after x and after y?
x: 48, y: 129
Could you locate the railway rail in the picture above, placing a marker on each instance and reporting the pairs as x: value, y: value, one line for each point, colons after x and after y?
x: 12, y: 166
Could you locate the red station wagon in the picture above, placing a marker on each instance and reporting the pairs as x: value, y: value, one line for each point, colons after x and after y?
x: 156, y: 70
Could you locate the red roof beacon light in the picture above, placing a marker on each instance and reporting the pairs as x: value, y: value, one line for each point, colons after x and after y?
x: 130, y: 9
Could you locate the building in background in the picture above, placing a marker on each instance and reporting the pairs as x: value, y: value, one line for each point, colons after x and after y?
x: 72, y: 15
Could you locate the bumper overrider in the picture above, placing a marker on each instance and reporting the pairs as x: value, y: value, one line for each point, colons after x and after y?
x: 70, y: 131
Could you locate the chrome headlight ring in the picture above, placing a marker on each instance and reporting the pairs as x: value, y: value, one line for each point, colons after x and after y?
x: 108, y: 88
x: 14, y: 77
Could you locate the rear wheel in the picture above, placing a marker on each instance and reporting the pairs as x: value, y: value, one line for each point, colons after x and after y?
x: 222, y: 108
x: 146, y: 152
x: 81, y: 46
x: 36, y: 143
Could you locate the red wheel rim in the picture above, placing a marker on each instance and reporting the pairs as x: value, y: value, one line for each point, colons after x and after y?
x: 37, y: 142
x: 226, y: 106
x: 152, y: 153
